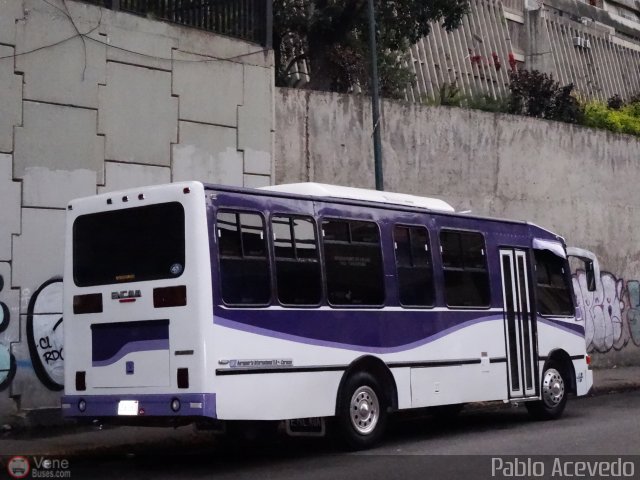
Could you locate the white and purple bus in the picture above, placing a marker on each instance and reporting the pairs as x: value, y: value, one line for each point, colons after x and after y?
x: 300, y: 303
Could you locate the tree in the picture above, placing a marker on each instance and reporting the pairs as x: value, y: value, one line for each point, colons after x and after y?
x: 333, y: 36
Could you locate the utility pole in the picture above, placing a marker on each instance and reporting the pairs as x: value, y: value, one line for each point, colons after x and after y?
x: 375, y: 99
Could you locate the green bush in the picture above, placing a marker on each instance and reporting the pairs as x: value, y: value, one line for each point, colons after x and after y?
x: 537, y: 94
x: 487, y: 103
x: 625, y: 120
x: 633, y: 109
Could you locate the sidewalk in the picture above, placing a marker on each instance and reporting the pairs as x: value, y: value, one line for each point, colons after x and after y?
x: 87, y: 440
x: 617, y: 379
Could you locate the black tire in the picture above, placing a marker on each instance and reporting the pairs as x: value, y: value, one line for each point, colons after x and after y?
x: 554, y: 389
x: 362, y: 411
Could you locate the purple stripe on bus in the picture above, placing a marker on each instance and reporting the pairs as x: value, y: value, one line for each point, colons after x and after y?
x: 191, y: 404
x: 375, y: 328
x: 359, y: 348
x: 139, y: 346
x: 108, y: 338
x: 574, y: 328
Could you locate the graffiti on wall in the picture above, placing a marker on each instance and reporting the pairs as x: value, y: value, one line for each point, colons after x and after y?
x: 45, y: 334
x: 7, y: 360
x: 611, y: 313
x: 44, y: 337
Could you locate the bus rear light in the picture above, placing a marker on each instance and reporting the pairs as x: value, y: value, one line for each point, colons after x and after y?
x: 141, y: 196
x: 588, y: 359
x: 170, y: 297
x: 91, y: 303
x: 183, y: 378
x: 81, y: 381
x: 186, y: 190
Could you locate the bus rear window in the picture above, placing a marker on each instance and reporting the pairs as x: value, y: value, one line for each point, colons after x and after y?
x: 129, y: 245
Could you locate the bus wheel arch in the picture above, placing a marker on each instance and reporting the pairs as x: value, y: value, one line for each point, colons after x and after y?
x: 366, y: 393
x: 556, y: 382
x: 562, y: 359
x: 380, y: 371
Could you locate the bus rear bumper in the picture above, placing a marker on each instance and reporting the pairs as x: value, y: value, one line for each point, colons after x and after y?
x: 124, y: 406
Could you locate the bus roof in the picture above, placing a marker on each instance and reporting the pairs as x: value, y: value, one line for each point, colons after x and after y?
x: 364, y: 194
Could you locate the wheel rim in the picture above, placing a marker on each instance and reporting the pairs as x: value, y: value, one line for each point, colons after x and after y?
x: 552, y: 388
x: 364, y: 410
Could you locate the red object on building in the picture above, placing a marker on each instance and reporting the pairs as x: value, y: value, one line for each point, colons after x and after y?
x: 496, y: 61
x: 513, y: 64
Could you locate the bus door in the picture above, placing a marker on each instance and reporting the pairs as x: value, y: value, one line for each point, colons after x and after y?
x: 519, y: 324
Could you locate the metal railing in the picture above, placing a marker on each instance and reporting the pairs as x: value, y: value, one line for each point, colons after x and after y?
x: 250, y: 20
x: 515, y: 5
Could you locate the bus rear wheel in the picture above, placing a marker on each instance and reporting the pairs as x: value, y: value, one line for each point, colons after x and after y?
x: 362, y: 416
x: 554, y: 394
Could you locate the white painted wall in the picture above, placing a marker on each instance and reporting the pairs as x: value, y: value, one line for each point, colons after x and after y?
x: 133, y: 102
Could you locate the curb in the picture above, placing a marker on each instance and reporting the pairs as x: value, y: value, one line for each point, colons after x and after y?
x: 597, y: 390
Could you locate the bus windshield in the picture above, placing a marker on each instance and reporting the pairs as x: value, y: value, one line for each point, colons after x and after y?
x: 129, y: 245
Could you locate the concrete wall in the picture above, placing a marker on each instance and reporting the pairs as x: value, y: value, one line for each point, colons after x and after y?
x: 579, y: 182
x: 130, y: 102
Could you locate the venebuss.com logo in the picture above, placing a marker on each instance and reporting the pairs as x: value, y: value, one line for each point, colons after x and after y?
x: 18, y: 467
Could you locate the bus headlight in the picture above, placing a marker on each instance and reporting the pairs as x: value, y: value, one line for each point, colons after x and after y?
x: 82, y: 405
x: 175, y: 404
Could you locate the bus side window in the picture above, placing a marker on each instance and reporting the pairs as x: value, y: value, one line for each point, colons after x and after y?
x: 413, y: 263
x: 353, y: 263
x: 298, y: 276
x: 552, y: 285
x: 244, y: 265
x: 466, y: 279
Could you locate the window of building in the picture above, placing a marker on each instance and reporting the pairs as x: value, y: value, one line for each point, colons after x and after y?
x: 353, y: 262
x: 466, y: 280
x: 413, y: 263
x: 552, y: 285
x: 244, y: 264
x: 298, y: 276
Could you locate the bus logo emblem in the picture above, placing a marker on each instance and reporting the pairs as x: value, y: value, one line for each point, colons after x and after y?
x: 125, y: 294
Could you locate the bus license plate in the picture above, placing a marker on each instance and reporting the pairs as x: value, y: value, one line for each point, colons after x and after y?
x: 310, y: 427
x: 128, y: 407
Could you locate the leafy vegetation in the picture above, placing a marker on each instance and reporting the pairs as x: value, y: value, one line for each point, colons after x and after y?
x: 625, y: 119
x: 537, y: 95
x: 333, y: 35
x: 488, y: 103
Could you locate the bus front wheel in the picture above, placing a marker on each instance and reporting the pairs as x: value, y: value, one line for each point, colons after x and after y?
x: 362, y: 416
x: 554, y: 394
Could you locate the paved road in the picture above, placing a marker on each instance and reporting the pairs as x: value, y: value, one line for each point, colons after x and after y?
x: 413, y: 448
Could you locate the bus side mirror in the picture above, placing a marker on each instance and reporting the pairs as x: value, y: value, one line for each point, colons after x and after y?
x: 590, y: 273
x: 591, y: 265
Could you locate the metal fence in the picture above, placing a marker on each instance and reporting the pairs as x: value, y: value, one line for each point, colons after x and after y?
x: 515, y: 5
x: 250, y: 20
